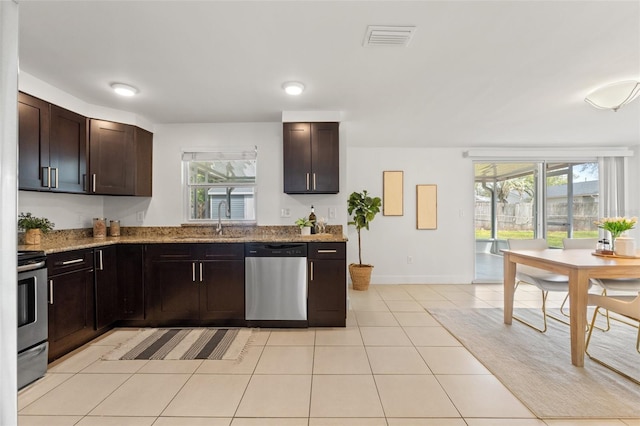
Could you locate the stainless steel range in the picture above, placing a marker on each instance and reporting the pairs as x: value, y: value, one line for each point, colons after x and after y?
x: 32, y: 316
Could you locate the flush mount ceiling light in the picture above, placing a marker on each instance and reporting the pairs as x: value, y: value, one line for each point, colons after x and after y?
x: 124, y: 89
x: 293, y: 88
x: 614, y: 96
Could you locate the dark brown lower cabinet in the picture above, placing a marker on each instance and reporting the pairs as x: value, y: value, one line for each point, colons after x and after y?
x: 71, y: 301
x: 327, y: 299
x: 195, y: 283
x: 131, y: 282
x: 106, y: 276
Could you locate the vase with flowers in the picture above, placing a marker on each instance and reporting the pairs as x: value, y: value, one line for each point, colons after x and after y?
x: 616, y: 226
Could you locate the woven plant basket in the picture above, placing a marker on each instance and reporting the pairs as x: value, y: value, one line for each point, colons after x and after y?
x: 360, y: 276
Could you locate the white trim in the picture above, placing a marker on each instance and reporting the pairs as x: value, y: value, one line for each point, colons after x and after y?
x: 577, y: 154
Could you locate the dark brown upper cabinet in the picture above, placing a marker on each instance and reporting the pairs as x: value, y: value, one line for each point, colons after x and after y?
x: 120, y: 159
x: 52, y: 147
x: 311, y: 158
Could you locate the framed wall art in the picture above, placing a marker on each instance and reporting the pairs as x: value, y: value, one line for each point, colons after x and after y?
x: 426, y: 206
x: 392, y: 193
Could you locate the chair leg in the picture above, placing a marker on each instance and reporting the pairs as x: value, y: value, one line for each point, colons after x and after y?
x: 601, y: 362
x: 544, y: 315
x: 562, y: 311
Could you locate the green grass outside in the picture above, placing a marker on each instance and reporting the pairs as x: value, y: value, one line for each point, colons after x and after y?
x: 554, y: 238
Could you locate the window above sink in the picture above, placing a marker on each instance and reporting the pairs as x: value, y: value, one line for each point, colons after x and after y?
x: 222, y: 181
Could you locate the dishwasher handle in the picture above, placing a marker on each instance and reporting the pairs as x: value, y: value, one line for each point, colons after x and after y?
x: 275, y: 250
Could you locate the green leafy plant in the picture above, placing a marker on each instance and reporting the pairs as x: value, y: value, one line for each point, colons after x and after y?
x: 303, y: 221
x: 616, y: 225
x: 362, y: 208
x: 27, y: 221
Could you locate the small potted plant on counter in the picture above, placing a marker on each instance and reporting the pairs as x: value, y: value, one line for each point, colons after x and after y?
x: 305, y: 225
x: 362, y: 208
x: 34, y: 227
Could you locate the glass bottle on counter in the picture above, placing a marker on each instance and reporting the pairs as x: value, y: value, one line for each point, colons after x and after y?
x: 312, y: 219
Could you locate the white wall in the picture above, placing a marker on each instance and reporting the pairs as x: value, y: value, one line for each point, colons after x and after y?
x: 8, y: 189
x: 444, y: 255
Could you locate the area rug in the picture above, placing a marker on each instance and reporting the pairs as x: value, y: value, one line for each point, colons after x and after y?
x: 537, y: 367
x: 183, y: 344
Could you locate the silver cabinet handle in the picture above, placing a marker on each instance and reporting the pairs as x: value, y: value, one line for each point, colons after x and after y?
x: 93, y: 182
x: 55, y: 169
x: 328, y: 251
x: 193, y: 271
x: 101, y: 267
x: 51, y: 292
x: 314, y: 181
x: 71, y: 262
x: 311, y: 265
x: 307, y: 181
x: 200, y: 271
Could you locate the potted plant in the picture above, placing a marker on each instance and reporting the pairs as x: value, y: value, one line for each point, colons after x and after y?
x: 305, y: 225
x: 34, y: 227
x: 362, y: 208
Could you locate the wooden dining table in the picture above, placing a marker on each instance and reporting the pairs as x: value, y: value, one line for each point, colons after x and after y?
x: 580, y: 266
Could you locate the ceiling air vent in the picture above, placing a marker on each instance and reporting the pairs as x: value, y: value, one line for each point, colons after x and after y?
x: 379, y: 35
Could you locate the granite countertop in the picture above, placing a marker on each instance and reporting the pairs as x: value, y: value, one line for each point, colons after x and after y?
x: 67, y: 240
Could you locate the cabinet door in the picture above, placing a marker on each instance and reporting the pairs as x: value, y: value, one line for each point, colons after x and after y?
x: 325, y: 158
x: 106, y: 266
x: 131, y: 282
x: 33, y: 142
x: 144, y: 163
x: 297, y: 157
x: 111, y: 158
x: 222, y: 290
x: 68, y: 150
x: 327, y: 300
x: 172, y: 277
x: 71, y: 311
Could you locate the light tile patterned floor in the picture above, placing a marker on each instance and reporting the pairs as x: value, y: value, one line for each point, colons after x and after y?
x: 393, y: 365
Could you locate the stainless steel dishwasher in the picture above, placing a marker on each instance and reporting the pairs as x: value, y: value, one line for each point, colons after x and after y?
x: 276, y: 283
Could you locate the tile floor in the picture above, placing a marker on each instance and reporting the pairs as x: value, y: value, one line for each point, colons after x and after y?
x: 392, y: 365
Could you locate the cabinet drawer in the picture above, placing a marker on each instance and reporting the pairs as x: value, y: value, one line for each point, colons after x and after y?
x: 170, y: 251
x: 223, y: 251
x: 327, y: 251
x: 76, y: 260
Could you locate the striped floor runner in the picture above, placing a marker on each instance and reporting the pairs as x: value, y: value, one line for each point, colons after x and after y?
x: 183, y: 343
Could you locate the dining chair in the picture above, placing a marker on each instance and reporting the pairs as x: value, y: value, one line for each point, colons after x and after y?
x: 544, y: 280
x: 627, y: 306
x: 613, y: 284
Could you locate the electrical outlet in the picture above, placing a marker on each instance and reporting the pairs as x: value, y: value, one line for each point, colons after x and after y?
x: 332, y: 212
x: 140, y: 216
x: 409, y: 260
x: 285, y: 212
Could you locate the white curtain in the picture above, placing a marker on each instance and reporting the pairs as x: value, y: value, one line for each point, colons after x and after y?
x: 613, y: 192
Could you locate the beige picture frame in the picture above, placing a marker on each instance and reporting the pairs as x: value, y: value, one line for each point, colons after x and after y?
x: 426, y: 206
x: 392, y: 193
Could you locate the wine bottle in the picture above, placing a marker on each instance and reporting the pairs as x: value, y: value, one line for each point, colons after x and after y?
x: 312, y: 219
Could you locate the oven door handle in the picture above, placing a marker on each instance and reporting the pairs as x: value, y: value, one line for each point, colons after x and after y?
x: 31, y: 266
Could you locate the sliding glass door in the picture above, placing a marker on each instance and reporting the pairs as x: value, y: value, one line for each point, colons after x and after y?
x: 523, y: 200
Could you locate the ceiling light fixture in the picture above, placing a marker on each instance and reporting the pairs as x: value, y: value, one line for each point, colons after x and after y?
x: 614, y: 96
x: 293, y: 88
x: 124, y: 89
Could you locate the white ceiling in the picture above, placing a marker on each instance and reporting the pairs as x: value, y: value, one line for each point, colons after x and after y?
x: 476, y: 73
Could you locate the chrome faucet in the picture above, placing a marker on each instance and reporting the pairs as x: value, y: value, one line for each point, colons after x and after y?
x: 219, y: 227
